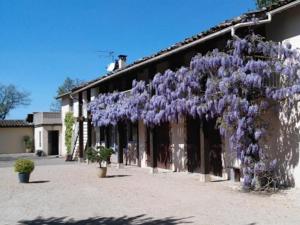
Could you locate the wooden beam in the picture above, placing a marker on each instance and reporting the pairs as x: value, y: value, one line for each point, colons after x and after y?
x: 89, y: 121
x: 80, y: 125
x: 121, y: 142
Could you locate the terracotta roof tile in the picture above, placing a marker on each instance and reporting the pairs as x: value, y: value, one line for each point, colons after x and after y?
x: 14, y: 123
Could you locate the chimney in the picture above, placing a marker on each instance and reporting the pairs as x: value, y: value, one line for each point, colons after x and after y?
x: 122, y: 61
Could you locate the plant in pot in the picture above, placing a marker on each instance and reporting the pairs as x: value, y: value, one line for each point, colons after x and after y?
x: 101, y: 155
x: 28, y: 143
x: 24, y: 167
x: 69, y: 122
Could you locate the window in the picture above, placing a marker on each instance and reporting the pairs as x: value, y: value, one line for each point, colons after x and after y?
x: 40, y: 139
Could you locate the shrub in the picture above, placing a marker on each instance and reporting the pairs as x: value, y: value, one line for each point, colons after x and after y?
x: 24, y: 166
x: 28, y: 142
x: 69, y: 121
x: 99, y: 155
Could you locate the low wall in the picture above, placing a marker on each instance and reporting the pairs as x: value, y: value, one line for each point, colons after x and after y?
x: 11, y: 139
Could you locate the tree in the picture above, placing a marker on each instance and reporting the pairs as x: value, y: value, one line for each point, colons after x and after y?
x: 264, y: 3
x: 66, y: 87
x: 11, y: 98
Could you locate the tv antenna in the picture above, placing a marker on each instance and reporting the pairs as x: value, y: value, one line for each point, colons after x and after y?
x: 107, y: 54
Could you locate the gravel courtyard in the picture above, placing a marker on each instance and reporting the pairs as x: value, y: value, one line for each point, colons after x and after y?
x: 71, y: 193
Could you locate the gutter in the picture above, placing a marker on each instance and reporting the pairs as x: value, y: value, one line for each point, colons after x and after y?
x: 268, y: 20
x: 231, y: 29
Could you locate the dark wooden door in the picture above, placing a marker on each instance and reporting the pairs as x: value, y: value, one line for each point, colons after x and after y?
x: 53, y: 142
x: 161, y: 142
x: 193, y: 143
x: 213, y: 147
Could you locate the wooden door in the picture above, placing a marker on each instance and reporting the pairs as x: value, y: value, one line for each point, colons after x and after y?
x: 161, y: 143
x: 193, y: 144
x: 213, y: 147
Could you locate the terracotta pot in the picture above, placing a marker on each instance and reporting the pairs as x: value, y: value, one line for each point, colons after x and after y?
x: 102, y: 172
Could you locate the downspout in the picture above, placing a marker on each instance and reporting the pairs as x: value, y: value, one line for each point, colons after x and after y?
x: 268, y: 20
x: 251, y: 23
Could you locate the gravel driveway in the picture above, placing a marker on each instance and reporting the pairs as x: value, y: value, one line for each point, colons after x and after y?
x: 71, y: 193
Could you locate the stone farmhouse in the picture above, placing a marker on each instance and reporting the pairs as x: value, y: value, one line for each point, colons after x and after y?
x: 191, y: 145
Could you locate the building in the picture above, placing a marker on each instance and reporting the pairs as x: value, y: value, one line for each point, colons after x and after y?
x: 12, y: 133
x: 43, y: 128
x: 189, y: 145
x: 48, y: 132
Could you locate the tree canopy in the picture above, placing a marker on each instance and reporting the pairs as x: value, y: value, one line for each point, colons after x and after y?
x: 64, y: 88
x: 11, y: 98
x: 264, y: 3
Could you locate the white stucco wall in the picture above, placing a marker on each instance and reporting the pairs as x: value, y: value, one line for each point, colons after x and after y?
x: 283, y: 140
x: 178, y: 146
x: 75, y: 105
x: 142, y: 144
x: 94, y: 93
x: 39, y: 138
x: 84, y: 104
x: 43, y: 143
x: 11, y: 139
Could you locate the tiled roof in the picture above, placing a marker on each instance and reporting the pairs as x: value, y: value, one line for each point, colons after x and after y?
x: 259, y: 14
x: 14, y: 123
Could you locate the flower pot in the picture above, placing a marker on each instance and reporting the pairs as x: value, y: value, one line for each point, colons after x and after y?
x: 24, y: 177
x: 28, y: 150
x: 102, y: 172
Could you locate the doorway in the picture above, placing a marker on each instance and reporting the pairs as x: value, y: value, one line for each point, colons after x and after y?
x: 53, y: 142
x: 193, y: 143
x: 213, y: 147
x: 161, y: 144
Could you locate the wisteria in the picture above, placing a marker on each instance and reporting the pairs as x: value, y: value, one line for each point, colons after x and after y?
x: 234, y: 85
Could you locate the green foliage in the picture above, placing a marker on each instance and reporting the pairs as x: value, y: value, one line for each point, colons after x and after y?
x: 10, y: 98
x: 69, y: 122
x: 28, y: 142
x: 66, y: 87
x: 265, y: 3
x: 24, y: 166
x: 99, y: 155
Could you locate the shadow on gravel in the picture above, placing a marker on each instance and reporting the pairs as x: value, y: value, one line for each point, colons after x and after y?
x: 115, y: 176
x: 39, y: 181
x: 137, y: 220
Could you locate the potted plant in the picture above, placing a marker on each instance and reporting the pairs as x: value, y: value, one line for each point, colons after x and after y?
x: 24, y: 167
x: 102, y: 156
x: 28, y: 143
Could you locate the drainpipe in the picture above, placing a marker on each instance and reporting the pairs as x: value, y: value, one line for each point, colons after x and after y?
x: 268, y: 20
x: 251, y: 23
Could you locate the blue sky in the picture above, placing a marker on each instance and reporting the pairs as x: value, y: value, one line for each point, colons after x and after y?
x: 42, y: 42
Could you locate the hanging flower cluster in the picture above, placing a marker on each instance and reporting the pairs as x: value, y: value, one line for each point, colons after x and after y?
x: 108, y: 109
x: 233, y: 85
